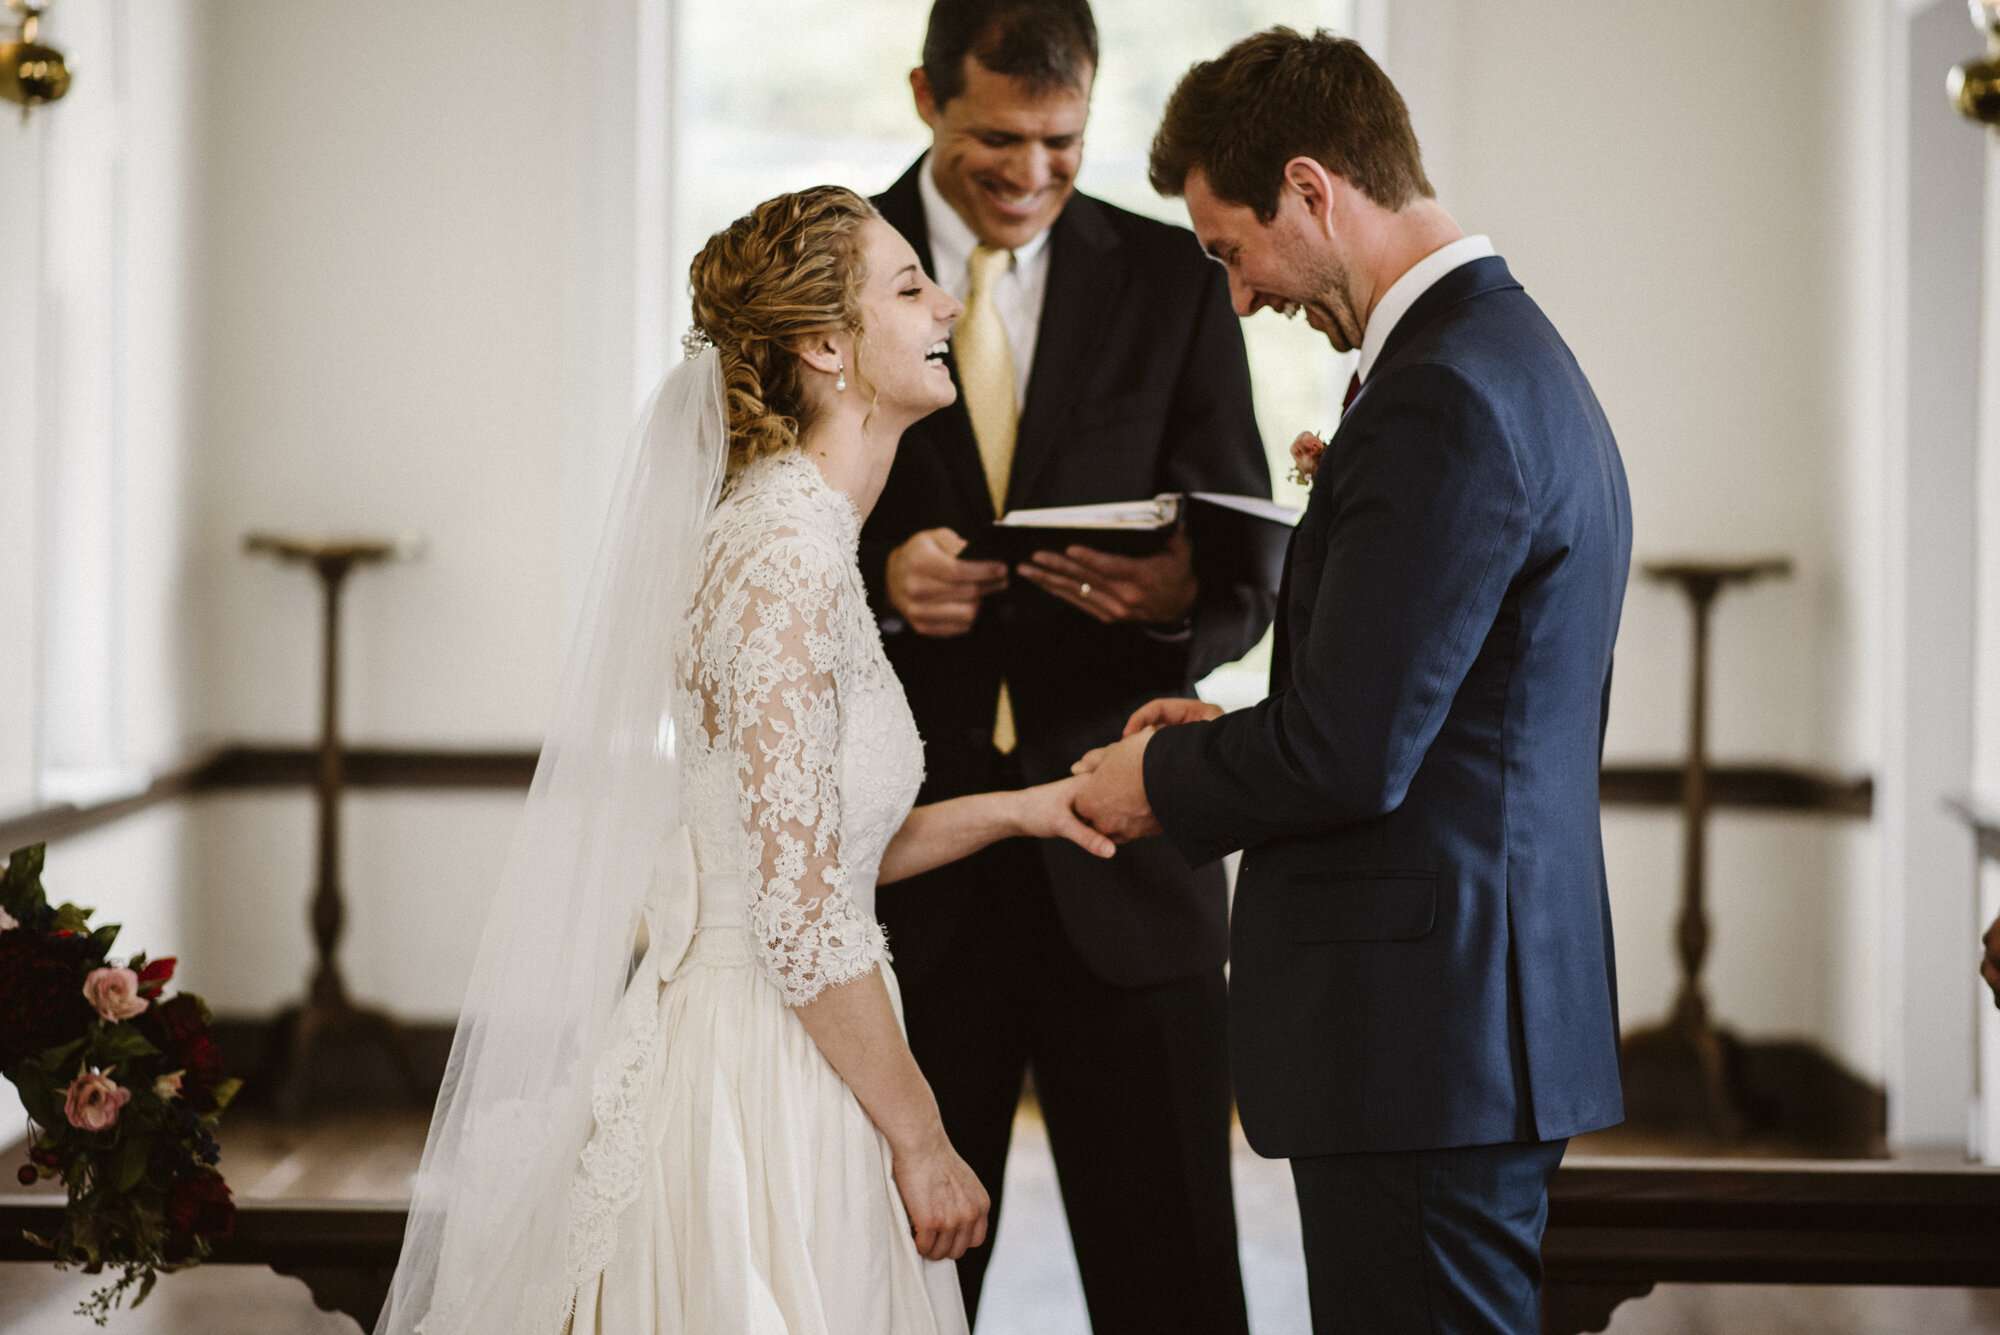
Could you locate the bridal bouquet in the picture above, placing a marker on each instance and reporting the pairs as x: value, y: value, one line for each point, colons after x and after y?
x: 122, y: 1084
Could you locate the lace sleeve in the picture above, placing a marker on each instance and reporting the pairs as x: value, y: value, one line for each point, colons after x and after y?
x: 784, y: 728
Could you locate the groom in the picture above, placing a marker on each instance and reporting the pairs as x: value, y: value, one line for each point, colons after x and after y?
x: 1422, y: 1004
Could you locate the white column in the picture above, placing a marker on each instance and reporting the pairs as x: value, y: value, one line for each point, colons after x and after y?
x: 1986, y: 647
x: 1929, y: 595
x: 23, y: 149
x: 83, y: 282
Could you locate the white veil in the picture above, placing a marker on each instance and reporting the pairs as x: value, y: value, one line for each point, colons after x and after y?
x: 600, y: 840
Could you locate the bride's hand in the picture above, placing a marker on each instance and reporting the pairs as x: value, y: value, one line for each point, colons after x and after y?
x: 1045, y: 813
x: 946, y: 1204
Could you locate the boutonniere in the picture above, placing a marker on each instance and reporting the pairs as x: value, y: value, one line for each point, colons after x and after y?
x: 1306, y: 452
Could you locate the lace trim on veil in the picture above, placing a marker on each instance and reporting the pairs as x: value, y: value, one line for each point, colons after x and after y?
x: 612, y: 1165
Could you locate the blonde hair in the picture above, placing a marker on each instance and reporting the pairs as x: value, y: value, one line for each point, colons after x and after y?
x: 789, y: 269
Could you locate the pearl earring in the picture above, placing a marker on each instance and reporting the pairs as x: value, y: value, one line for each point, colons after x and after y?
x: 841, y: 383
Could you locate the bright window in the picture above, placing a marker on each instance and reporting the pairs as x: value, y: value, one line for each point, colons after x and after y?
x: 777, y: 96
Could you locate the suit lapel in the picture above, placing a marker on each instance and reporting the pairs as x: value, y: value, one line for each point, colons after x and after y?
x: 1086, y: 267
x: 1488, y: 274
x: 1471, y: 279
x: 948, y: 431
x: 1281, y: 631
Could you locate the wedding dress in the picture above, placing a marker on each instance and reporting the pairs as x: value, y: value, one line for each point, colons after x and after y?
x: 735, y: 1183
x: 638, y: 1149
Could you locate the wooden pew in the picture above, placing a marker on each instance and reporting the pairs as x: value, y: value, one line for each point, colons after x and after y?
x: 1617, y: 1227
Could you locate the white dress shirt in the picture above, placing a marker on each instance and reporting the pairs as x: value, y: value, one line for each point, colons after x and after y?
x: 1403, y: 293
x: 1017, y: 296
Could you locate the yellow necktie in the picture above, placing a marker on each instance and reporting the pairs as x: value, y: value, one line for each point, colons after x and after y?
x: 986, y: 373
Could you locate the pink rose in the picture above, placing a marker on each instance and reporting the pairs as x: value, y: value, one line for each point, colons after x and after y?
x: 94, y: 1101
x: 114, y: 993
x: 7, y: 921
x: 168, y: 1086
x: 1306, y: 451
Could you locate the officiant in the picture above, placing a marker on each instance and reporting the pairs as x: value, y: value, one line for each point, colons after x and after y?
x: 1098, y: 359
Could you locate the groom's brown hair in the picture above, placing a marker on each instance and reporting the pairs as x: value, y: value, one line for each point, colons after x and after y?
x: 1280, y: 95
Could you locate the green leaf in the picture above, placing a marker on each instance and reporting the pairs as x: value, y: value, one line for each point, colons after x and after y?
x: 119, y: 1043
x: 21, y: 884
x: 40, y: 1099
x: 71, y: 918
x: 58, y: 1062
x: 128, y: 1165
x: 226, y: 1091
x: 104, y: 935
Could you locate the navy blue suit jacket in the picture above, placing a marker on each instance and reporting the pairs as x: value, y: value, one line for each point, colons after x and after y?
x: 1421, y: 938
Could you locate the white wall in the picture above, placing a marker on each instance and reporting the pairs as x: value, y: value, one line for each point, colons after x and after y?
x: 1678, y: 191
x: 419, y: 270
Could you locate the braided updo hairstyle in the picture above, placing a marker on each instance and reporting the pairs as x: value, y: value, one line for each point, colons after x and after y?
x: 790, y: 268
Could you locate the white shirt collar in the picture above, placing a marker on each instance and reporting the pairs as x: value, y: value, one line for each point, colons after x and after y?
x: 952, y: 242
x: 1403, y: 293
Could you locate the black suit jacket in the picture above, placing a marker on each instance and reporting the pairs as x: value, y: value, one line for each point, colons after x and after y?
x: 1422, y: 939
x: 1139, y: 386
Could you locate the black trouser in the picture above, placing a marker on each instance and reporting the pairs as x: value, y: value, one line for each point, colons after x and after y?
x: 1134, y: 1089
x: 1427, y: 1242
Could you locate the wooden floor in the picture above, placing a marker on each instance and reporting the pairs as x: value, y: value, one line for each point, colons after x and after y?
x: 1032, y: 1288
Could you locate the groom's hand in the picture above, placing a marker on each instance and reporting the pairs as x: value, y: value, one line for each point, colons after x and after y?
x: 1153, y: 590
x: 1112, y: 797
x: 1166, y: 713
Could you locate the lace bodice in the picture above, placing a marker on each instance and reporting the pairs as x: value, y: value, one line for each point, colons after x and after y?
x: 801, y: 759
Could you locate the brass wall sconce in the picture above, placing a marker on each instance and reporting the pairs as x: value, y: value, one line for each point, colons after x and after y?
x: 1974, y: 87
x: 31, y: 73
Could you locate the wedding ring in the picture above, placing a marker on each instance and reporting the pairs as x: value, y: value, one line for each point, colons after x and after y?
x: 1083, y: 590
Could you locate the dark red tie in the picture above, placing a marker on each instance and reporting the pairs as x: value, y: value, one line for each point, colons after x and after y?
x: 1353, y: 389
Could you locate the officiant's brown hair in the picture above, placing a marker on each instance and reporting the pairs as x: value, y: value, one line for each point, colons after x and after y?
x: 1280, y: 95
x: 1043, y: 43
x: 762, y: 286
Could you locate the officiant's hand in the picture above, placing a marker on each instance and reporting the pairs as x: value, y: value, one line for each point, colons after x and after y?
x: 1112, y: 797
x: 1166, y: 713
x: 935, y: 592
x: 1155, y: 590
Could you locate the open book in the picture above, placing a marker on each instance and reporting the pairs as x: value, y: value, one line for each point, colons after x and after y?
x: 1236, y: 539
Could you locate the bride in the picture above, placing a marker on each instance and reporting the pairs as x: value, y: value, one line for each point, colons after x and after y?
x: 728, y: 1134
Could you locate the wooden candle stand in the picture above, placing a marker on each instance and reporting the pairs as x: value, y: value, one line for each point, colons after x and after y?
x: 1688, y: 1044
x: 328, y: 1014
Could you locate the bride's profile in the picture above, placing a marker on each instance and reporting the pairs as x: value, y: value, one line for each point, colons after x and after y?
x: 679, y: 1098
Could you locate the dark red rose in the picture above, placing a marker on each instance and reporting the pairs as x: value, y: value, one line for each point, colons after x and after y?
x: 200, y: 1204
x: 179, y: 1019
x: 202, y: 1062
x: 180, y: 1028
x: 41, y: 994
